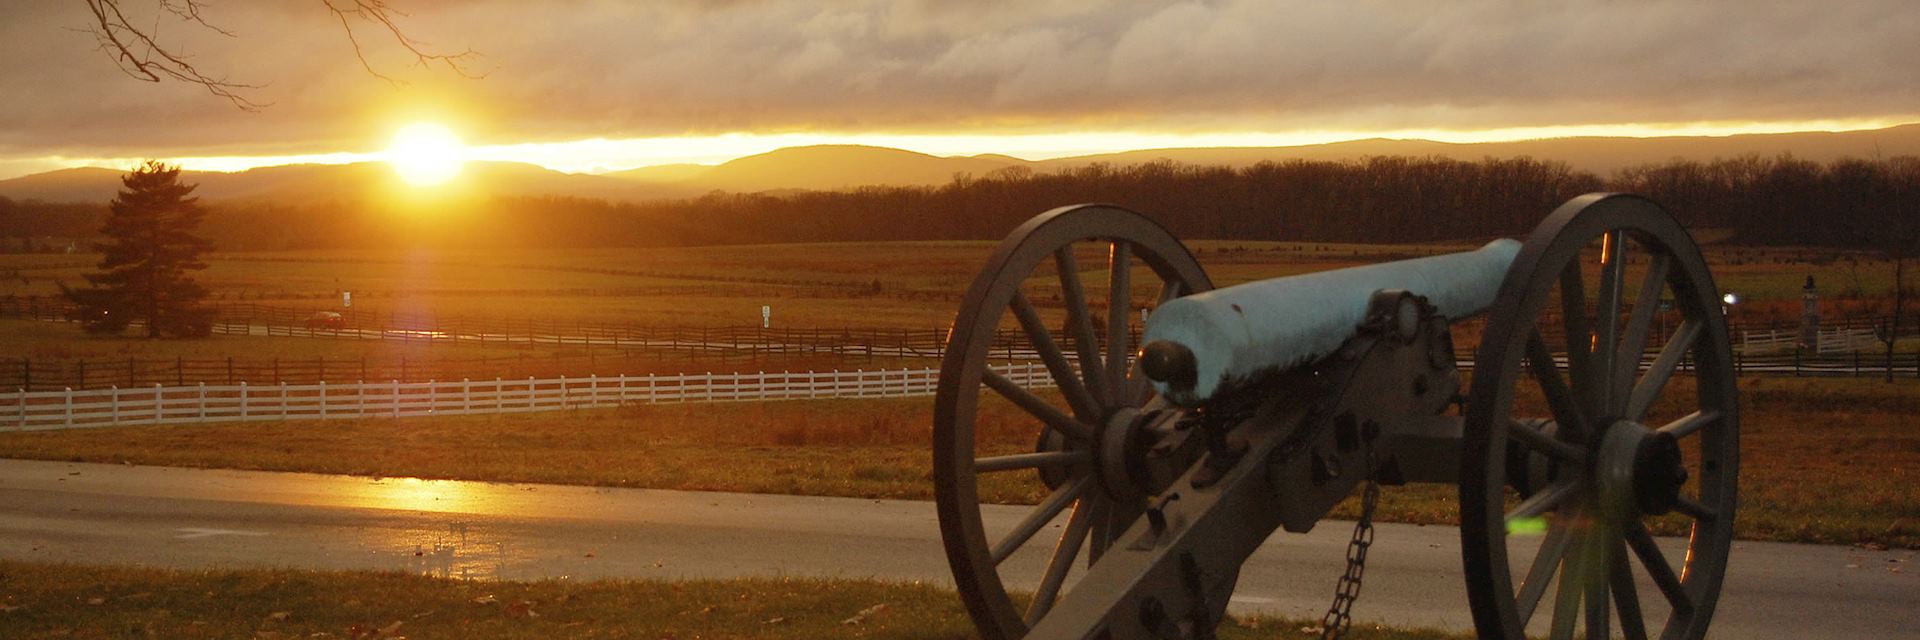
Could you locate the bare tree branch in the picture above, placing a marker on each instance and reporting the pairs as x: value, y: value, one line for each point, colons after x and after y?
x: 380, y: 13
x: 138, y: 53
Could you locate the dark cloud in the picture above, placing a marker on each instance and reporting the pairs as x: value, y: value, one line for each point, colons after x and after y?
x: 568, y: 70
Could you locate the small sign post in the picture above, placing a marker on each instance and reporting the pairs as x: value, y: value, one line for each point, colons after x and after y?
x: 346, y: 299
x: 766, y: 316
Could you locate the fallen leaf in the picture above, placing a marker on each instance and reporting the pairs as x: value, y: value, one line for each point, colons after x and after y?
x: 865, y: 613
x: 777, y: 620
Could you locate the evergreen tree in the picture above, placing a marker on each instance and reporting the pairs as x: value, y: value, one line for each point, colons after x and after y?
x: 150, y: 249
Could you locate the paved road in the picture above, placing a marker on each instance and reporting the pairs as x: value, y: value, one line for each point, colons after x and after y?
x: 198, y: 518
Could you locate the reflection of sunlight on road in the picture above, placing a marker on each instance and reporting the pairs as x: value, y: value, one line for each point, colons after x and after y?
x: 456, y: 551
x: 415, y: 494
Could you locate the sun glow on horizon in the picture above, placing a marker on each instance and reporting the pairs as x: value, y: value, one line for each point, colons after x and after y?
x: 426, y: 154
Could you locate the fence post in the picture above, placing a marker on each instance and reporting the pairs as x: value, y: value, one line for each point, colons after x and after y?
x: 323, y: 399
x: 652, y: 396
x: 243, y: 399
x: 433, y: 396
x: 466, y: 395
x: 1796, y: 362
x: 394, y: 396
x: 69, y: 406
x: 283, y: 394
x: 563, y: 393
x: 23, y: 407
x: 115, y: 403
x: 360, y: 398
x: 593, y: 385
x: 622, y: 399
x: 203, y: 401
x: 159, y: 406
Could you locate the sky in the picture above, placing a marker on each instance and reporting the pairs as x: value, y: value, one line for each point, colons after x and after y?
x: 596, y: 85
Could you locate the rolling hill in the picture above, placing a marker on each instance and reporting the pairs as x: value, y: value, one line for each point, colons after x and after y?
x: 832, y: 167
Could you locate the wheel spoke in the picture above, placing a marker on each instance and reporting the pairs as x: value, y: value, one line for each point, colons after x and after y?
x: 1573, y: 317
x: 1064, y: 553
x: 1546, y: 444
x: 1633, y: 344
x: 1598, y: 547
x: 1041, y: 515
x: 1119, y: 306
x: 1626, y: 598
x: 1102, y: 530
x: 1083, y: 403
x: 1693, y: 508
x: 1080, y: 320
x: 1606, y: 321
x: 1656, y: 565
x: 1655, y: 380
x: 1038, y: 408
x: 1031, y: 460
x: 1566, y: 410
x: 1543, y: 501
x: 1566, y: 599
x: 1552, y: 550
x: 1690, y: 423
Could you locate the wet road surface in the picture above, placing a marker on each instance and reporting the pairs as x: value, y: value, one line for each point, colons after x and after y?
x: 67, y: 512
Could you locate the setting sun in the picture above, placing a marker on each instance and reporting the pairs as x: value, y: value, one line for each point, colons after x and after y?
x: 426, y: 154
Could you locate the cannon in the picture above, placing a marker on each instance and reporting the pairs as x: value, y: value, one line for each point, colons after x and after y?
x: 1260, y: 407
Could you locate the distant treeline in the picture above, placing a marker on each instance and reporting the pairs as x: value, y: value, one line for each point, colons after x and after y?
x: 1381, y: 200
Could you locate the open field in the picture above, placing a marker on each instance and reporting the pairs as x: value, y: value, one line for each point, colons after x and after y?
x: 882, y: 284
x: 69, y: 601
x: 1823, y: 460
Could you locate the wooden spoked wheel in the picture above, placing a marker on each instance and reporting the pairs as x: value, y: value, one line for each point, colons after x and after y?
x: 1067, y: 446
x: 1580, y: 442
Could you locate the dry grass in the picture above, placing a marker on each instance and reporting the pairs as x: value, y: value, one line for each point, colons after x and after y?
x: 1822, y: 460
x: 810, y: 285
x: 71, y: 601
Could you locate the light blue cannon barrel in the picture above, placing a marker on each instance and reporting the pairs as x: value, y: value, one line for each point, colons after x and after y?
x: 1240, y: 332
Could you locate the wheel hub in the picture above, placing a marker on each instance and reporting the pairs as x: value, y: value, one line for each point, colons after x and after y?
x: 1141, y: 452
x: 1638, y: 470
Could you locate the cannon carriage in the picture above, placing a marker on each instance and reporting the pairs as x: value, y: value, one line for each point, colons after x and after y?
x: 1260, y: 407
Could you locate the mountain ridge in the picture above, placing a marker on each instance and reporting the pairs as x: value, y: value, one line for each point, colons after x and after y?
x: 832, y: 167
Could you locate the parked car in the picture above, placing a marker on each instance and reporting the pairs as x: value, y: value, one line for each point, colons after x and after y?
x: 326, y: 320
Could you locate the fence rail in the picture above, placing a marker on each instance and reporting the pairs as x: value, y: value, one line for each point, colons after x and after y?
x: 158, y: 404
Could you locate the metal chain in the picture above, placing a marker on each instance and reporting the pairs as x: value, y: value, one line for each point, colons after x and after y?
x: 1334, y: 624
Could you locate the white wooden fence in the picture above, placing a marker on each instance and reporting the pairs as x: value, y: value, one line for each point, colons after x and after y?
x: 42, y: 410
